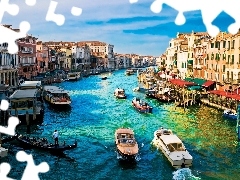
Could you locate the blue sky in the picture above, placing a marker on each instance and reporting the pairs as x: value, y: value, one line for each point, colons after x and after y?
x: 131, y: 28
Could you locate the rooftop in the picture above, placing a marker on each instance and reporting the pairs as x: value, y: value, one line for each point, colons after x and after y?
x: 169, y: 139
x: 27, y: 93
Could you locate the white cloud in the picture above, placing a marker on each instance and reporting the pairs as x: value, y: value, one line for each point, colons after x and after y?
x: 76, y: 28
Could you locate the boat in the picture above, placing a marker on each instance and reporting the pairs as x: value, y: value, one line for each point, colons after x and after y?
x: 127, y: 146
x: 73, y: 76
x: 42, y: 143
x: 56, y: 96
x: 150, y: 93
x: 129, y: 72
x: 6, y: 139
x: 164, y: 95
x: 173, y: 148
x: 229, y: 114
x: 120, y: 93
x: 141, y: 106
x: 104, y: 78
x: 136, y: 89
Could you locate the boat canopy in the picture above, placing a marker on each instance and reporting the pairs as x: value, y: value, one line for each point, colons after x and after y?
x: 124, y: 131
x: 27, y: 93
x: 58, y: 91
x: 170, y: 139
x: 54, y: 90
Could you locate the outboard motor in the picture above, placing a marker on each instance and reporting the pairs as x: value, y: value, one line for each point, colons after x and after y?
x: 150, y: 109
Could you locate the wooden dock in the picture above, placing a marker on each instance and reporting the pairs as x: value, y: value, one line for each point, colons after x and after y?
x: 206, y: 102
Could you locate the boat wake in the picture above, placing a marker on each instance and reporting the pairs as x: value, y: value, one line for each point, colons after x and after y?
x: 137, y: 157
x: 184, y: 174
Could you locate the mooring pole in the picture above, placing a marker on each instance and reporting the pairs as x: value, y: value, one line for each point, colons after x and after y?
x: 238, y: 122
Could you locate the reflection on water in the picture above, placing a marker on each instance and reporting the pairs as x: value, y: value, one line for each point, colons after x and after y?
x: 184, y: 174
x: 96, y: 114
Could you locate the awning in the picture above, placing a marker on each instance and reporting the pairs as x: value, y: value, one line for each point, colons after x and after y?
x: 196, y: 88
x: 190, y: 62
x: 208, y: 83
x: 197, y: 81
x: 181, y: 83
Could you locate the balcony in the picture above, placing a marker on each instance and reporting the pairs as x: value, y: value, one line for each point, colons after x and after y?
x: 6, y: 67
x: 228, y: 81
x: 26, y: 51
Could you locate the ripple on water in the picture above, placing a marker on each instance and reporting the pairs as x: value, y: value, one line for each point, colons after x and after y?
x: 95, y: 115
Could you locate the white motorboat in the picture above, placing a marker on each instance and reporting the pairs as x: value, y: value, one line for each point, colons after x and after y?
x: 120, y: 93
x: 74, y: 76
x: 56, y: 96
x: 126, y: 144
x: 173, y: 148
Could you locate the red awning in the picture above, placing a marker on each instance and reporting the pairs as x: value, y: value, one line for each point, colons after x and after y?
x: 181, y: 83
x: 208, y: 83
x: 226, y: 94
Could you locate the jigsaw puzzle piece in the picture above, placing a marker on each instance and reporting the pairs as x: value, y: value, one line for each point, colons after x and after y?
x: 4, y: 105
x: 232, y: 9
x: 133, y: 1
x: 181, y: 6
x: 12, y: 9
x: 59, y: 19
x: 209, y: 14
x: 10, y: 130
x: 4, y: 170
x: 30, y: 2
x: 10, y: 36
x: 31, y: 171
x: 75, y: 11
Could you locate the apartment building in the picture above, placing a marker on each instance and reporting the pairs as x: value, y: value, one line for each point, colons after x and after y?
x: 8, y: 66
x: 102, y: 51
x: 42, y: 57
x: 27, y: 57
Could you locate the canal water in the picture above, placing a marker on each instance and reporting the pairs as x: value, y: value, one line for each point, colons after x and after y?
x: 96, y: 114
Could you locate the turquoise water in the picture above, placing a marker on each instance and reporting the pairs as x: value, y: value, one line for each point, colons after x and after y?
x: 96, y: 114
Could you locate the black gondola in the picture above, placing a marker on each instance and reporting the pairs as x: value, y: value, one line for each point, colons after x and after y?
x: 6, y: 139
x: 150, y: 93
x: 42, y: 143
x: 104, y: 78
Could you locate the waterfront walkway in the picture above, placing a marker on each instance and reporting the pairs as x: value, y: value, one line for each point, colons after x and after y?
x: 206, y: 102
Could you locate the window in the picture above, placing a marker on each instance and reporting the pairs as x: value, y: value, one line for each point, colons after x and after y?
x: 212, y: 45
x: 224, y: 67
x: 231, y: 75
x: 233, y: 43
x: 229, y: 45
x: 224, y: 44
x: 208, y: 56
x: 239, y: 59
x: 228, y: 59
x: 216, y: 44
x: 232, y: 59
x: 212, y: 56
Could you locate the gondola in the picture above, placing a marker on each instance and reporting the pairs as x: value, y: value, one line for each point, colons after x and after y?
x: 42, y: 143
x: 6, y: 139
x: 104, y: 78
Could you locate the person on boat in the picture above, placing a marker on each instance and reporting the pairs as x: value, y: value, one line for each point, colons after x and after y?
x: 55, y: 137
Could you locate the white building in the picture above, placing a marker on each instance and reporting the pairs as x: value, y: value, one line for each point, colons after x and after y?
x: 8, y: 66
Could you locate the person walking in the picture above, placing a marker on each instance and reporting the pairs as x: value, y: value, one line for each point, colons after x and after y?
x: 55, y: 137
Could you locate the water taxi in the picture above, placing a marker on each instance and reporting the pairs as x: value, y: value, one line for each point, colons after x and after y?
x: 141, y: 106
x: 104, y: 78
x: 74, y: 76
x: 127, y: 146
x: 129, y: 72
x: 56, y: 96
x: 120, y: 93
x: 173, y: 148
x: 229, y: 114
